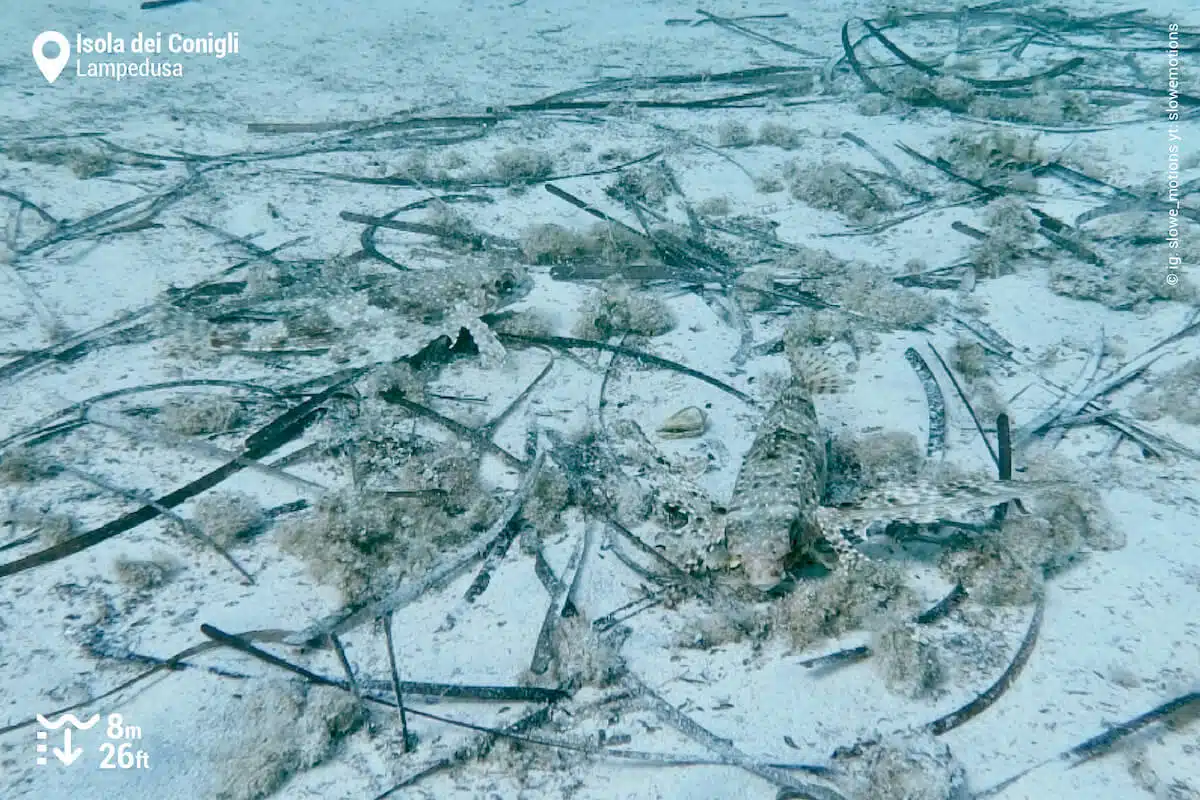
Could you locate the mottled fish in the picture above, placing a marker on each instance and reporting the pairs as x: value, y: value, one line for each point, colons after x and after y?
x: 778, y: 489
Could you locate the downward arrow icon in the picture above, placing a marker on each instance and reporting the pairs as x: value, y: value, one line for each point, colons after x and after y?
x: 65, y: 754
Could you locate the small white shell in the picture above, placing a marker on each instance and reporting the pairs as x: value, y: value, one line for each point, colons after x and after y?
x: 683, y: 424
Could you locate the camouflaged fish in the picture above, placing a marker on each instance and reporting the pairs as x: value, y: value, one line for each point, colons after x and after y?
x: 923, y: 502
x: 778, y: 489
x: 775, y: 509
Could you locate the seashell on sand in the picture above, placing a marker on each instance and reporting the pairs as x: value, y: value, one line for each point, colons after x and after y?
x: 683, y: 424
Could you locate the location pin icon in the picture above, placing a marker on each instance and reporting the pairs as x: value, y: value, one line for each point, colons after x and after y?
x: 51, y: 67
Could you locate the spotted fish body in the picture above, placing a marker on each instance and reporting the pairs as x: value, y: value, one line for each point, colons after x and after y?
x: 775, y: 508
x: 778, y: 489
x: 923, y: 502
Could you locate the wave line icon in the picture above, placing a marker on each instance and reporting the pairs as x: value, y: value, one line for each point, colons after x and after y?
x: 68, y: 717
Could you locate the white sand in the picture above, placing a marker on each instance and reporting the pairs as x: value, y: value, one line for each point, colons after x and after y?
x: 1120, y: 631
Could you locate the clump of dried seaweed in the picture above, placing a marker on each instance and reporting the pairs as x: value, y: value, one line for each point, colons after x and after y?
x: 435, y: 167
x: 616, y: 309
x: 146, y: 574
x: 908, y: 658
x: 52, y: 527
x: 777, y: 134
x: 228, y: 517
x: 309, y: 323
x: 714, y: 207
x: 401, y: 378
x: 521, y: 165
x: 647, y: 184
x: 835, y: 186
x: 845, y: 600
x: 820, y: 327
x: 451, y: 169
x: 548, y: 499
x: 1175, y: 394
x: 187, y: 336
x: 754, y: 289
x: 867, y: 291
x: 22, y: 465
x: 604, y: 243
x: 582, y: 657
x: 1002, y: 159
x: 1010, y: 228
x: 84, y: 158
x: 598, y: 483
x: 283, y: 728
x: 431, y: 295
x: 364, y: 542
x: 728, y: 623
x: 1051, y: 107
x: 969, y: 359
x: 1009, y: 566
x: 860, y: 300
x: 200, y: 415
x: 912, y: 765
x: 1126, y: 283
x: 733, y: 133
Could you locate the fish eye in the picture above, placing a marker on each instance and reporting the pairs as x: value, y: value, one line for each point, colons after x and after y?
x: 506, y: 283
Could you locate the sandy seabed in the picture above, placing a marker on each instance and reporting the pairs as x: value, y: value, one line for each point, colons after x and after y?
x: 472, y: 312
